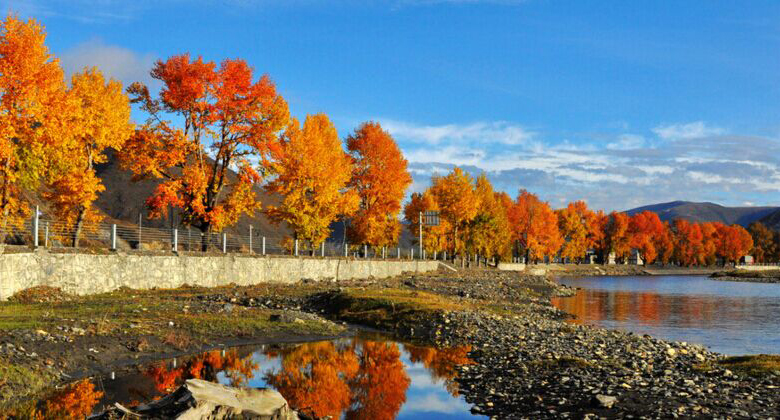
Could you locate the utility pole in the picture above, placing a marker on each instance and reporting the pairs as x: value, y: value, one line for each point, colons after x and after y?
x: 421, y: 226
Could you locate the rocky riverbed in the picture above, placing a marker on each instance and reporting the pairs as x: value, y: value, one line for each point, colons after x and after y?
x: 529, y: 362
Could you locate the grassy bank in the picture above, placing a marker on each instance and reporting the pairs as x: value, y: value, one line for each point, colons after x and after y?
x: 48, y: 338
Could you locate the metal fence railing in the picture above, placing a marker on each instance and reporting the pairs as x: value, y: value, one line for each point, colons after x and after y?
x: 41, y: 232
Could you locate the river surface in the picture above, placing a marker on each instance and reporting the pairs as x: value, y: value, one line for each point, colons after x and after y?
x: 727, y: 317
x: 353, y: 378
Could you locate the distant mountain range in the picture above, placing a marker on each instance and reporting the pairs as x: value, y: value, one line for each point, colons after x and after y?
x: 711, y: 212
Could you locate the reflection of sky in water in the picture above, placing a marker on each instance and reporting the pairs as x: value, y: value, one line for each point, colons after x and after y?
x: 728, y: 317
x: 426, y: 397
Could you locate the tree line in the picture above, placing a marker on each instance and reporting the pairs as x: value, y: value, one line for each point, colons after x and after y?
x: 475, y: 219
x: 233, y: 133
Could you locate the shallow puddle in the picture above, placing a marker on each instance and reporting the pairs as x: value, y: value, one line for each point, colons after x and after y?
x: 354, y: 378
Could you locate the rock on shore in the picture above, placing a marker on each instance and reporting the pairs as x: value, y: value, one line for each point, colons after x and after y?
x: 203, y: 400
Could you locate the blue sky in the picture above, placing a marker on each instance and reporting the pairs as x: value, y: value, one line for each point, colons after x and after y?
x: 619, y: 103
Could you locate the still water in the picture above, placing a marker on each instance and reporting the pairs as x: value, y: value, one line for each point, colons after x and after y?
x: 355, y: 378
x: 727, y: 317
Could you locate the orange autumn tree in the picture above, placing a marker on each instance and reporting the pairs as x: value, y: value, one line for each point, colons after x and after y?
x: 535, y: 227
x: 31, y: 95
x: 380, y: 178
x: 649, y: 236
x: 574, y: 222
x: 312, y: 175
x: 458, y: 203
x: 689, y: 246
x: 617, y: 236
x: 710, y: 232
x: 435, y: 238
x: 733, y: 243
x: 98, y: 114
x: 230, y: 120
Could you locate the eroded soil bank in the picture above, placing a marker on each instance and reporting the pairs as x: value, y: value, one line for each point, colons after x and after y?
x: 529, y: 361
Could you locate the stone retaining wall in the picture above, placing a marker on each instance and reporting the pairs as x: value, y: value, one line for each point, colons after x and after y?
x: 87, y: 274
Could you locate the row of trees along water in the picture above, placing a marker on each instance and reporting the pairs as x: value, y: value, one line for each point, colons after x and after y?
x: 235, y: 132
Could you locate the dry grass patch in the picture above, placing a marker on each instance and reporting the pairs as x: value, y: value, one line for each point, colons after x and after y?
x: 753, y: 365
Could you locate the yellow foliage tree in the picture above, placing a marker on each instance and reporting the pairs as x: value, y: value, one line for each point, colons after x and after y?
x: 574, y: 222
x: 489, y: 233
x: 98, y: 118
x: 458, y: 203
x: 31, y: 94
x: 312, y: 174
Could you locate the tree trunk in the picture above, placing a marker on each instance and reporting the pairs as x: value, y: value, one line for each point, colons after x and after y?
x: 77, y: 227
x: 204, y: 237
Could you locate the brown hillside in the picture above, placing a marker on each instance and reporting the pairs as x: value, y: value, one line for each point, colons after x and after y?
x: 123, y: 200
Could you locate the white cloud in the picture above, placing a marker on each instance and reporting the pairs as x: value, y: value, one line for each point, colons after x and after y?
x: 435, y: 403
x: 498, y: 132
x: 625, y: 171
x: 692, y: 130
x: 114, y: 61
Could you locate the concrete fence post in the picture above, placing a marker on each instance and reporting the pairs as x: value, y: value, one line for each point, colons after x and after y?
x: 250, y: 239
x: 176, y: 240
x: 224, y: 243
x: 383, y: 252
x: 296, y: 247
x: 365, y: 251
x: 411, y: 253
x: 346, y: 249
x: 263, y: 245
x: 113, y: 237
x: 36, y: 222
x: 323, y: 249
x: 398, y: 253
x: 46, y: 235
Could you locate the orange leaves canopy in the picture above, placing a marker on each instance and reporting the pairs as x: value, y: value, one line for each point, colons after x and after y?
x: 380, y: 178
x: 230, y: 123
x: 312, y: 173
x: 535, y: 226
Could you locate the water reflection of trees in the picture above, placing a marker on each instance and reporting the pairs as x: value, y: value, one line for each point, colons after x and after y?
x: 355, y: 379
x: 74, y: 401
x: 314, y: 377
x: 361, y: 379
x: 441, y: 363
x: 651, y: 308
x: 203, y: 366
